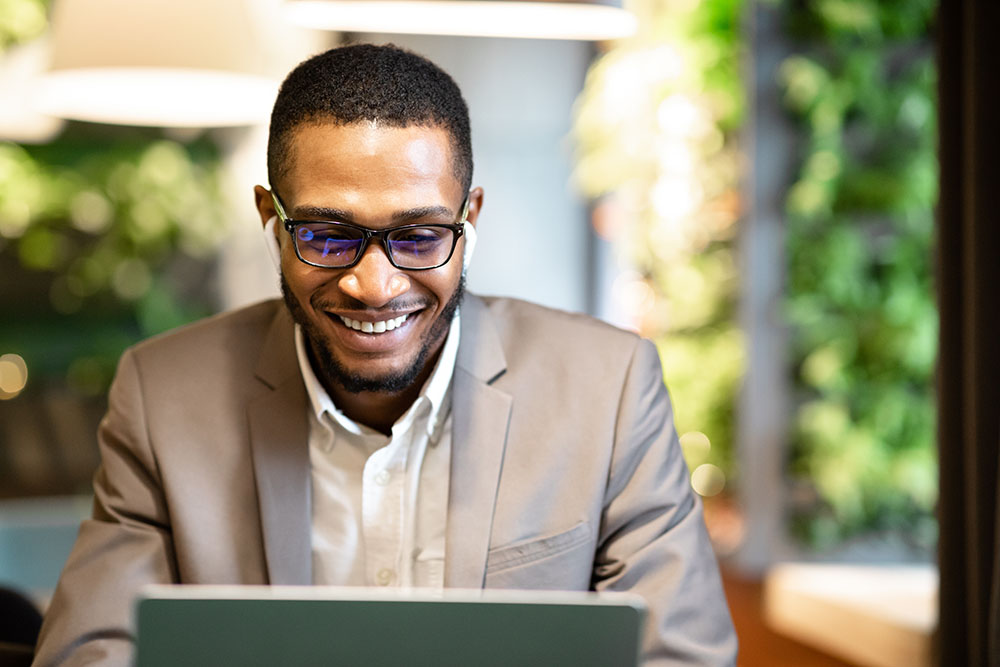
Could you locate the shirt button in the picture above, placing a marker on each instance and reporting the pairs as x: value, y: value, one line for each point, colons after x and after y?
x: 385, y: 576
x: 382, y: 477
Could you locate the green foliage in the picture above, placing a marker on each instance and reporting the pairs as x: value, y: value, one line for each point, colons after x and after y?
x: 106, y: 239
x: 656, y: 134
x: 860, y: 223
x: 21, y: 21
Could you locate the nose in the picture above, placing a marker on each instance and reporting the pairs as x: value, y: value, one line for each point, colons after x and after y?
x: 374, y: 280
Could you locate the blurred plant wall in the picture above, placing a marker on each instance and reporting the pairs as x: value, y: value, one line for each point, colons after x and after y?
x: 657, y: 148
x: 656, y: 133
x: 860, y: 88
x: 105, y: 238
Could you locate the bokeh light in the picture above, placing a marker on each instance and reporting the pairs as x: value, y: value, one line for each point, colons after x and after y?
x: 696, y: 447
x: 13, y: 376
x: 708, y: 480
x: 635, y: 296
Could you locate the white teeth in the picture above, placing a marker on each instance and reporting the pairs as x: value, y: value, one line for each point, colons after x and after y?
x: 374, y: 327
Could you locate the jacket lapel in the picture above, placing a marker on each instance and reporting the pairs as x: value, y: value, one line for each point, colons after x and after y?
x: 279, y: 440
x: 481, y: 417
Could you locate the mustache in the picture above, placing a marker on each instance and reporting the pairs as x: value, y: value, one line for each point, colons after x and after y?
x: 321, y: 303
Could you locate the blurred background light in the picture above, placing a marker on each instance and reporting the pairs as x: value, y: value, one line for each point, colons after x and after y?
x: 485, y: 18
x: 634, y: 297
x: 153, y: 64
x: 696, y: 447
x: 708, y: 480
x: 157, y: 97
x: 13, y: 376
x: 19, y: 120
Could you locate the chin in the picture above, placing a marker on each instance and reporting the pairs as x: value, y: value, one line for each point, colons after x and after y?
x: 389, y: 382
x: 332, y: 370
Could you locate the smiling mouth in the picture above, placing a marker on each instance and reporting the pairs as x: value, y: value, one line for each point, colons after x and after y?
x: 374, y: 327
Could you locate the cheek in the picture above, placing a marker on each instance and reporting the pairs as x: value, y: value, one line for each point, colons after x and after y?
x: 443, y: 285
x: 288, y: 258
x: 302, y: 280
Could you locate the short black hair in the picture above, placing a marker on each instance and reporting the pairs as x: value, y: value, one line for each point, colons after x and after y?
x: 367, y: 82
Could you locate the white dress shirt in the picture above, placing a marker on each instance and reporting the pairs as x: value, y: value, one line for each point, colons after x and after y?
x: 380, y: 503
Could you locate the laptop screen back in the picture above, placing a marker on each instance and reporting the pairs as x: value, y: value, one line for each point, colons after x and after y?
x: 213, y: 625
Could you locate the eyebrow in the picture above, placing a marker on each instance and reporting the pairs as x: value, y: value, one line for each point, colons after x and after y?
x: 399, y: 217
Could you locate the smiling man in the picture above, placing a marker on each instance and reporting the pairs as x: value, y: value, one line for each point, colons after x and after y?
x: 382, y: 427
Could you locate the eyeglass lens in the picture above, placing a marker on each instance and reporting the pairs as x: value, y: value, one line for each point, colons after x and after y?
x: 331, y: 245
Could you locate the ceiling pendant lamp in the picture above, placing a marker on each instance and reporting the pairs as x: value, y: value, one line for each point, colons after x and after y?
x: 20, y: 67
x: 166, y: 63
x: 540, y: 19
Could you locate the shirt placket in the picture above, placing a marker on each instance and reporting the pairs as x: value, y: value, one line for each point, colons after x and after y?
x: 391, y: 494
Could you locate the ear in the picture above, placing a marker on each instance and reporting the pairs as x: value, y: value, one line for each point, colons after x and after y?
x: 475, y: 205
x: 263, y: 203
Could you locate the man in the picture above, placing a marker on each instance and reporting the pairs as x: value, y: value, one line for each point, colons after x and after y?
x: 381, y: 427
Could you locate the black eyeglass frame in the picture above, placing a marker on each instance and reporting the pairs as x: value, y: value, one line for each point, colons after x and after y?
x: 458, y: 229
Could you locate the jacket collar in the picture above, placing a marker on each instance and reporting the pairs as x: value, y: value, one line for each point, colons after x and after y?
x: 277, y: 362
x: 480, y: 352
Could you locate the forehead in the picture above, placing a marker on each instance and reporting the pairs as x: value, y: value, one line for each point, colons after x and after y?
x: 364, y: 160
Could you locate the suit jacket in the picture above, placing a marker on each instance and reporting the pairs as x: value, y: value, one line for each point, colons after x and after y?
x: 566, y: 473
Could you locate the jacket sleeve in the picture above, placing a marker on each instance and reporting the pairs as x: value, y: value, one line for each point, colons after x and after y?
x: 653, y: 540
x: 124, y: 545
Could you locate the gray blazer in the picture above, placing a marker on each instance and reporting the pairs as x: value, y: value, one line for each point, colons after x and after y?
x: 566, y: 473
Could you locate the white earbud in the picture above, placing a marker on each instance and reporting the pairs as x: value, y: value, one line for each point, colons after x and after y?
x: 273, y: 249
x: 470, y: 245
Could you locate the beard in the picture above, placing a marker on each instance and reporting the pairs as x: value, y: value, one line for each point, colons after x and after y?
x: 332, y: 370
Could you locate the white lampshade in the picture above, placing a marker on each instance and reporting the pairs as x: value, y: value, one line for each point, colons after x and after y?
x: 169, y: 63
x: 583, y: 20
x: 20, y: 67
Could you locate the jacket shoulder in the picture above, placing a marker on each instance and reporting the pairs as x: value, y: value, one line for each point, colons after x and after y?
x: 567, y: 348
x: 547, y: 326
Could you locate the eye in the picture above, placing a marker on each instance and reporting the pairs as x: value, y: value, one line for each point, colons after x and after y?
x: 320, y: 233
x: 329, y: 244
x: 332, y: 236
x: 420, y: 235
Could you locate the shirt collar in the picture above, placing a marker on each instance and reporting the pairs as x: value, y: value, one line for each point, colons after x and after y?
x: 435, y: 392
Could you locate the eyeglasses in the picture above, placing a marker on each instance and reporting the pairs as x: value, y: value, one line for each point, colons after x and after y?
x: 340, y: 245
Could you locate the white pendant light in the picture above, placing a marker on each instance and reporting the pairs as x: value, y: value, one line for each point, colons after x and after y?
x: 20, y: 67
x: 168, y: 63
x: 480, y: 18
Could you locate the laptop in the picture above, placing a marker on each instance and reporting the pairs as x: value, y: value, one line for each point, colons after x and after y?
x: 261, y: 625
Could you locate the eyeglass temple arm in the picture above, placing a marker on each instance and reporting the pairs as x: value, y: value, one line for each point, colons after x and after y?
x: 465, y: 209
x: 277, y: 206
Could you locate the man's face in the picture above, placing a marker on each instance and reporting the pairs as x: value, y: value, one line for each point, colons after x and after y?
x: 376, y: 177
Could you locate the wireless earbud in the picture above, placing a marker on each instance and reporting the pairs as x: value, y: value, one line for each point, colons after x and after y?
x: 470, y: 245
x: 273, y: 249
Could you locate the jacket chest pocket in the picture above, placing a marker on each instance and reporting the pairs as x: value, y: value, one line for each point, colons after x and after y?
x: 563, y: 561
